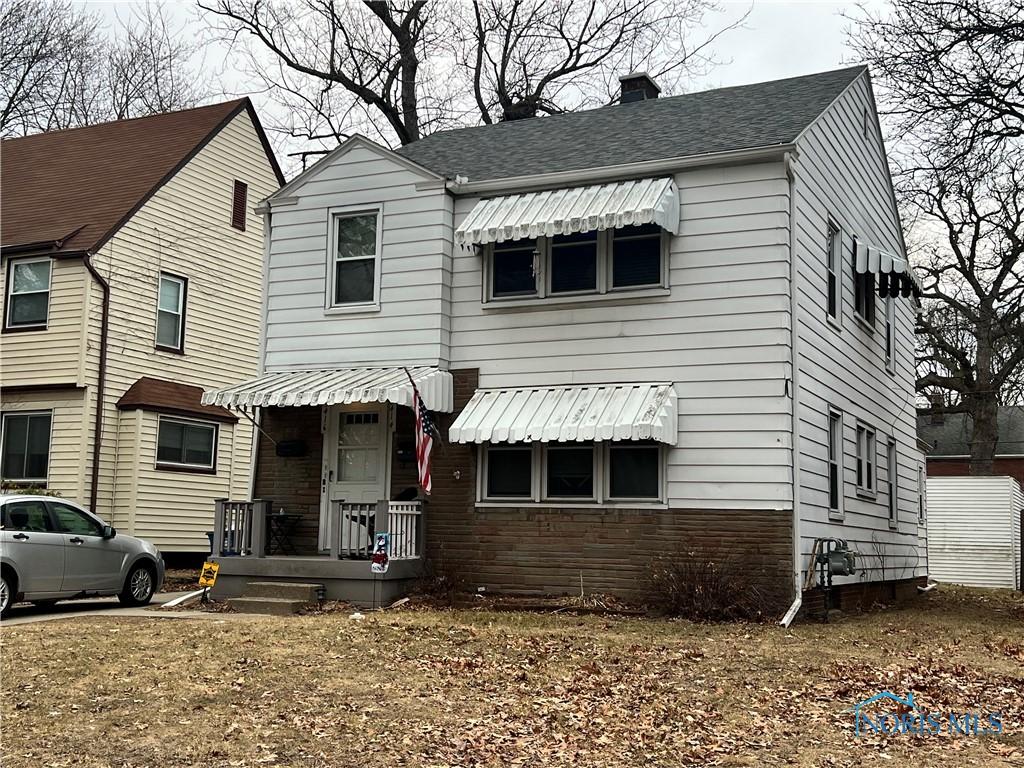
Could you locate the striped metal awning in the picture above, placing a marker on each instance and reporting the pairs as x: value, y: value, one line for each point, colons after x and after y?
x: 576, y: 209
x: 895, y: 275
x: 605, y: 412
x: 337, y: 386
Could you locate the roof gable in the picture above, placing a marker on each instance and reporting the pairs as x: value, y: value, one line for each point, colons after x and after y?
x: 69, y: 191
x: 725, y: 119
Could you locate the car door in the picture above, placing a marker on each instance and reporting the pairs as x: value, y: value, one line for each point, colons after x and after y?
x: 30, y: 541
x: 91, y: 563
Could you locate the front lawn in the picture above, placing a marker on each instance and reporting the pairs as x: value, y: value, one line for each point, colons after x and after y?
x: 466, y: 688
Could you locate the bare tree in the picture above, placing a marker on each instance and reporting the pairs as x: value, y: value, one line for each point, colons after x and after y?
x: 60, y: 68
x: 404, y: 69
x: 950, y: 75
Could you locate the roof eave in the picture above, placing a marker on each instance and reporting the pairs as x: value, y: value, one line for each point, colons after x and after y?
x: 623, y: 171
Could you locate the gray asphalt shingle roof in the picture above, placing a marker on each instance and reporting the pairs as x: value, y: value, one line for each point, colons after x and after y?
x: 951, y: 435
x: 745, y: 116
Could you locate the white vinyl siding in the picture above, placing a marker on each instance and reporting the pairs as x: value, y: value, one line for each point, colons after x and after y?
x: 841, y: 178
x: 974, y: 530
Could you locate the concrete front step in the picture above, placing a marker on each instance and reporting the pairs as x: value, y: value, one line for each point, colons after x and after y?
x: 273, y: 606
x: 286, y: 590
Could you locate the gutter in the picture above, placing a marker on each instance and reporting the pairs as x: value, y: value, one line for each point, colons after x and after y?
x: 97, y: 429
x: 461, y: 186
x: 794, y: 363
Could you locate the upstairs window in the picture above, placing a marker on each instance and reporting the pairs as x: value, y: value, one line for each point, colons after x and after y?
x: 355, y: 259
x: 866, y: 452
x: 598, y: 263
x: 863, y: 292
x: 833, y: 261
x: 921, y: 512
x: 514, y: 268
x: 25, y: 456
x: 835, y: 463
x: 636, y: 256
x: 890, y: 334
x: 170, y: 313
x: 239, y: 198
x: 28, y: 293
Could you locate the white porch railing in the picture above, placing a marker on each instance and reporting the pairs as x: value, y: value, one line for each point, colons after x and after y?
x: 354, y: 525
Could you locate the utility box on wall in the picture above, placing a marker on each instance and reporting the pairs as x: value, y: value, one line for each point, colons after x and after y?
x: 974, y: 531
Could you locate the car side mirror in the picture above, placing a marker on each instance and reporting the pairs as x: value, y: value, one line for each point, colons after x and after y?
x: 109, y: 532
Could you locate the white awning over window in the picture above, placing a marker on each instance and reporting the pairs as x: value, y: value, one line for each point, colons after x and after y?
x: 569, y: 414
x: 577, y: 209
x: 339, y: 385
x: 894, y: 274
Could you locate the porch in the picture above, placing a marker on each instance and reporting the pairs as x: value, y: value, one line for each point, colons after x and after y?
x: 250, y: 547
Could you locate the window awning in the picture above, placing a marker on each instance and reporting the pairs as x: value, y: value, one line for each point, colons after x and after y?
x: 577, y: 209
x: 569, y: 414
x: 337, y: 386
x: 894, y: 274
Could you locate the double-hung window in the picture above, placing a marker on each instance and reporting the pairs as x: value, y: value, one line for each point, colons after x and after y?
x: 892, y: 475
x: 354, y: 275
x: 25, y: 454
x: 866, y: 453
x: 186, y: 444
x: 833, y: 264
x: 573, y: 473
x: 890, y: 334
x: 580, y: 264
x: 863, y: 292
x: 28, y: 294
x: 835, y: 463
x: 172, y: 295
x: 921, y: 513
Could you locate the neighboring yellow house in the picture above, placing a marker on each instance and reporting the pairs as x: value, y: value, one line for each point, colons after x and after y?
x: 132, y: 277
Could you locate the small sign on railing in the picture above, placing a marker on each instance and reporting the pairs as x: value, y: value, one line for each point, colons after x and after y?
x: 380, y: 561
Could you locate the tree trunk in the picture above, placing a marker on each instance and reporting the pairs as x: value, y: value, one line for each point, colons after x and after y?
x: 985, y: 433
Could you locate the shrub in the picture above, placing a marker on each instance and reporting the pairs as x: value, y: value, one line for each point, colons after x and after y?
x: 705, y: 584
x: 28, y: 490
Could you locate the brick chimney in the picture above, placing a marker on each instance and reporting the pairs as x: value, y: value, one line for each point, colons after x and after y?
x: 637, y: 86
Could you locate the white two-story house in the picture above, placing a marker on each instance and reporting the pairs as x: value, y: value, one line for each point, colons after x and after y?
x: 674, y: 324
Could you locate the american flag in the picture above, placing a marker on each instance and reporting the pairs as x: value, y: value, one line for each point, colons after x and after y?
x: 426, y: 432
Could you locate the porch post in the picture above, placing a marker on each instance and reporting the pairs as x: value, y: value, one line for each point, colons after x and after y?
x: 218, y: 527
x: 260, y: 507
x: 334, y: 516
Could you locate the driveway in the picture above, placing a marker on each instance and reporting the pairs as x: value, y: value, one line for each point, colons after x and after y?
x: 26, y: 613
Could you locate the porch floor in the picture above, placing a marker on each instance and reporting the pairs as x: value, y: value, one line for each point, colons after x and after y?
x: 348, y: 580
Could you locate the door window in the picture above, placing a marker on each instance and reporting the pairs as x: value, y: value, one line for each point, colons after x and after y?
x: 25, y: 516
x: 358, y: 447
x: 71, y: 520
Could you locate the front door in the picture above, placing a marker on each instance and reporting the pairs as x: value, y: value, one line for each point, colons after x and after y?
x: 356, y: 445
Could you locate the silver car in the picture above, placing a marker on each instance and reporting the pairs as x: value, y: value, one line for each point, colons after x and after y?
x: 51, y: 549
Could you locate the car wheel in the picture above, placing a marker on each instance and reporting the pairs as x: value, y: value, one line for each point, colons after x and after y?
x: 138, y: 587
x: 6, y: 594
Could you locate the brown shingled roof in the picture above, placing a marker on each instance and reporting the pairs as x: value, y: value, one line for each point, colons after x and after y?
x: 171, y: 397
x: 71, y: 190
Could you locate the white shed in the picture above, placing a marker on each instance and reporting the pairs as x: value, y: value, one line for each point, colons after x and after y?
x: 974, y: 530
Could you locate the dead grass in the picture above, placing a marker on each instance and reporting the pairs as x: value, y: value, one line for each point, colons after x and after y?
x: 479, y: 688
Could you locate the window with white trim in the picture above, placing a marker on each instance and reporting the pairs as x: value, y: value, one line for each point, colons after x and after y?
x: 580, y: 264
x: 170, y: 312
x: 863, y: 292
x: 25, y: 446
x: 890, y: 334
x: 892, y: 477
x: 866, y: 453
x: 355, y: 259
x: 573, y: 473
x: 28, y: 293
x: 833, y: 271
x: 921, y: 512
x: 186, y: 444
x: 835, y: 462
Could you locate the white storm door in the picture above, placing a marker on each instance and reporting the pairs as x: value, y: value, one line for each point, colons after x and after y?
x: 356, y: 444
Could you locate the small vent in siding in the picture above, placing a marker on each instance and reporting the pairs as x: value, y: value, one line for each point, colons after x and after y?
x: 238, y: 205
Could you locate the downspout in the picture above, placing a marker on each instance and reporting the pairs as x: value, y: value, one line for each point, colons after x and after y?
x: 97, y: 429
x: 790, y: 159
x: 257, y: 416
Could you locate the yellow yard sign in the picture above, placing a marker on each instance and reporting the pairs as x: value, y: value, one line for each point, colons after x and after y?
x: 208, y: 576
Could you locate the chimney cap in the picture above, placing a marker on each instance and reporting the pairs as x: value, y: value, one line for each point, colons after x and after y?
x: 638, y: 86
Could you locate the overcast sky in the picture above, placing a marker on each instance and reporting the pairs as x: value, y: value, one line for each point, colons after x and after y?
x: 778, y: 39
